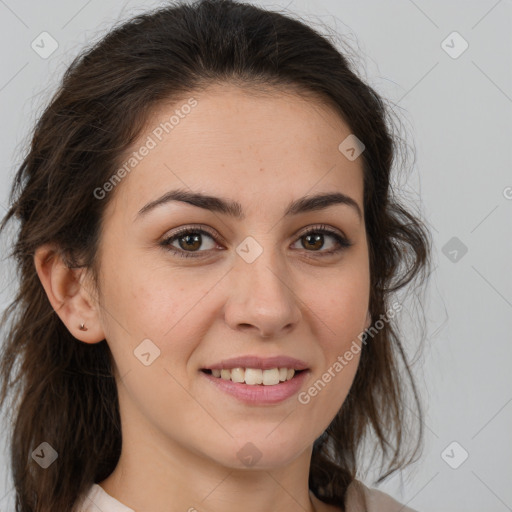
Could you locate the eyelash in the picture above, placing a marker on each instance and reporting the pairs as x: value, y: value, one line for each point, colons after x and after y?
x: 343, y: 243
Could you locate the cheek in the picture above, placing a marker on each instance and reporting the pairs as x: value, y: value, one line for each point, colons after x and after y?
x: 339, y: 306
x: 325, y: 393
x: 149, y: 298
x: 167, y: 307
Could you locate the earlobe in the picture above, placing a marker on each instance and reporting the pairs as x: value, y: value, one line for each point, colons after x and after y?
x: 67, y: 294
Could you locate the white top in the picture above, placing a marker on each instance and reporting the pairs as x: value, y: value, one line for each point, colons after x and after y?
x: 97, y: 500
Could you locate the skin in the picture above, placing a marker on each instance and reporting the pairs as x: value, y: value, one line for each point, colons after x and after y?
x: 180, y: 434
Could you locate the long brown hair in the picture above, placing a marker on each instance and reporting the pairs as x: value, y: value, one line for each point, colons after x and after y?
x: 64, y: 392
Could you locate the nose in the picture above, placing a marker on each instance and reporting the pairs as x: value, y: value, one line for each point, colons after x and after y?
x: 262, y: 298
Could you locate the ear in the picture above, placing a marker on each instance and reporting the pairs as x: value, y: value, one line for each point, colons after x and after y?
x: 68, y: 294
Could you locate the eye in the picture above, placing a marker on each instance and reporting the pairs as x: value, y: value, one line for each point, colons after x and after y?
x: 189, y: 239
x: 314, y: 239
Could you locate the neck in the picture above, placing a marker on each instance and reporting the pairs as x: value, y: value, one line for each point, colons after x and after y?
x: 200, y: 484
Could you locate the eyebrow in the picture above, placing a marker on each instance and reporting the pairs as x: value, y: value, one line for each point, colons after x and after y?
x: 234, y: 209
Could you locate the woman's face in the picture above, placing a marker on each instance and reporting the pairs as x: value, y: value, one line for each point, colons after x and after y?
x: 254, y: 283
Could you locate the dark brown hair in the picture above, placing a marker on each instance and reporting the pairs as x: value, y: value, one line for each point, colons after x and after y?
x: 64, y: 392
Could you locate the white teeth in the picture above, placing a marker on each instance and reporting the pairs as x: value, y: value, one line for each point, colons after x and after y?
x: 237, y: 374
x: 271, y: 377
x: 255, y: 376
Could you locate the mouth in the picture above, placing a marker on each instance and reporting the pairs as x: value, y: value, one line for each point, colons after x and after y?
x: 255, y: 376
x: 257, y: 386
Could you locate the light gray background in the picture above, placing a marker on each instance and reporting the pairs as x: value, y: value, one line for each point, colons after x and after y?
x: 457, y: 113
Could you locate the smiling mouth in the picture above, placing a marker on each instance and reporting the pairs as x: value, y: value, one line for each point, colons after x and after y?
x: 255, y: 376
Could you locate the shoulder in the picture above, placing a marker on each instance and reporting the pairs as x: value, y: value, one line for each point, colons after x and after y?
x: 361, y: 498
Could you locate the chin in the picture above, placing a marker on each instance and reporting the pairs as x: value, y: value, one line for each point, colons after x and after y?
x: 261, y: 452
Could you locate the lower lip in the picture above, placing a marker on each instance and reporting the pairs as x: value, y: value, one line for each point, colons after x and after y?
x: 259, y: 394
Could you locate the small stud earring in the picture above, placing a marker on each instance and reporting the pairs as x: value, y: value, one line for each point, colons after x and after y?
x: 82, y: 327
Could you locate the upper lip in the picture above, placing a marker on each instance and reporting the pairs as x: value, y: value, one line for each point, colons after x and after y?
x: 263, y: 363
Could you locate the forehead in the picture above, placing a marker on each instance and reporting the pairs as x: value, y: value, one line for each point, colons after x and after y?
x: 255, y: 146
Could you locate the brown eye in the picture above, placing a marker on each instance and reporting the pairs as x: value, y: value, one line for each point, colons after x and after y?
x: 314, y: 240
x: 189, y: 241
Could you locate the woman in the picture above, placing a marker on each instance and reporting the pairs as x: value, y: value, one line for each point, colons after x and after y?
x: 208, y: 252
